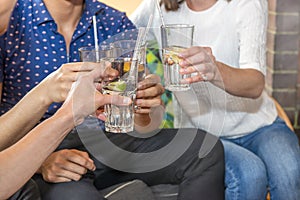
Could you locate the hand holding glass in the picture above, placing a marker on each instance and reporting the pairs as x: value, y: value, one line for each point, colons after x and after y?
x: 175, y: 38
x: 120, y: 119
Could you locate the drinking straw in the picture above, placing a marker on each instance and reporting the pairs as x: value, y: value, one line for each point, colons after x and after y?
x: 96, y: 38
x: 147, y: 29
x: 160, y: 13
x: 133, y: 72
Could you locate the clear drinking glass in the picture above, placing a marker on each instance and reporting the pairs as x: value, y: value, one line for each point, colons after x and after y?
x: 175, y: 38
x: 125, y: 49
x: 120, y: 119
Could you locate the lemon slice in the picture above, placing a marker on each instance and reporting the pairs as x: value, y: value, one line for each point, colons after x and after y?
x: 118, y: 86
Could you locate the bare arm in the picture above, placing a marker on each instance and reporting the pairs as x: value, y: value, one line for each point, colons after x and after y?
x: 29, y: 110
x: 6, y: 7
x: 26, y: 156
x: 239, y: 82
x: 19, y: 120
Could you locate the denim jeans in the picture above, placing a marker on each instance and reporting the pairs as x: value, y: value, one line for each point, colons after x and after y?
x: 266, y: 159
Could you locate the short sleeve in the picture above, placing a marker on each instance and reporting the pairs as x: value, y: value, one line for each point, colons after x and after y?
x: 142, y: 13
x: 251, y: 28
x: 140, y: 17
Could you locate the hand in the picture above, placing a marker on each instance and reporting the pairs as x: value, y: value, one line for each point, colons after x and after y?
x: 66, y: 165
x: 149, y: 94
x: 200, y: 62
x: 59, y: 83
x: 150, y: 112
x: 84, y: 97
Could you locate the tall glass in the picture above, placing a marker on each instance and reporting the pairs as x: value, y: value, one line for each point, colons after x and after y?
x: 125, y: 49
x: 175, y: 38
x: 120, y: 119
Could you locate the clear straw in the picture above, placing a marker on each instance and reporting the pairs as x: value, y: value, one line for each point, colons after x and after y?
x: 147, y: 29
x: 160, y: 13
x: 133, y: 72
x: 96, y: 38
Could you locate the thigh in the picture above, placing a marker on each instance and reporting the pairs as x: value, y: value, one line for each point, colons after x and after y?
x: 278, y: 147
x: 245, y: 173
x: 165, y: 157
x: 75, y: 190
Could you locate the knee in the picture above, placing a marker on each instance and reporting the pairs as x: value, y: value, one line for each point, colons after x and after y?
x: 288, y: 174
x: 247, y: 171
x: 255, y: 173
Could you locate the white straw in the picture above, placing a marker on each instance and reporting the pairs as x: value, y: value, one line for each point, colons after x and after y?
x: 96, y: 38
x: 134, y: 68
x: 160, y: 13
x: 147, y: 29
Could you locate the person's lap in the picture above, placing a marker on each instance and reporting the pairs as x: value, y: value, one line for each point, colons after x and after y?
x: 270, y: 156
x: 171, y: 174
x: 278, y: 147
x: 75, y: 190
x: 245, y: 174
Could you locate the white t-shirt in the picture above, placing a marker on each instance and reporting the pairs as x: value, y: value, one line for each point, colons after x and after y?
x: 236, y: 32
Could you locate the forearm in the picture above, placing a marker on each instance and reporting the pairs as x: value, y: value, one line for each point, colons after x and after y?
x: 239, y: 82
x: 26, y: 156
x: 6, y: 7
x: 23, y: 116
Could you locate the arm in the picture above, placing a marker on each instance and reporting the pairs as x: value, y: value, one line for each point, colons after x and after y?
x: 6, y: 7
x: 43, y: 139
x: 239, y: 82
x: 247, y: 79
x: 23, y: 116
x: 30, y: 109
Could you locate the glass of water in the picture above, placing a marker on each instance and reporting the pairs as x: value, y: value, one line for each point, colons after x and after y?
x: 175, y: 38
x: 120, y: 119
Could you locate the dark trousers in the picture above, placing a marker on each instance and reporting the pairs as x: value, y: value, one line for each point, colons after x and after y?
x: 29, y: 191
x: 198, y: 170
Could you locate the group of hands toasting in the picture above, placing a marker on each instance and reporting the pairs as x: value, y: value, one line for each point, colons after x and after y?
x: 78, y: 84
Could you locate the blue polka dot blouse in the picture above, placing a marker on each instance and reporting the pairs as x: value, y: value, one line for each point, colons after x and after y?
x: 32, y: 48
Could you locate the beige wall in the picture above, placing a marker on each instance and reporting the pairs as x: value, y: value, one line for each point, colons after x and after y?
x: 127, y: 6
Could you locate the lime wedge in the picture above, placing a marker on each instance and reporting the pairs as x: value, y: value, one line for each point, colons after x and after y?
x: 118, y: 86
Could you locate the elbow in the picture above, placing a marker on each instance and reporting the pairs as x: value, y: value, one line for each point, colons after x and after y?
x: 256, y: 93
x: 258, y: 89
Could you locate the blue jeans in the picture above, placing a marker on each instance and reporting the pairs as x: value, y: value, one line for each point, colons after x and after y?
x: 266, y: 159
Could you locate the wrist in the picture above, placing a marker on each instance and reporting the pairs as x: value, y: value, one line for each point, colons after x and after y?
x: 43, y: 95
x: 65, y: 115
